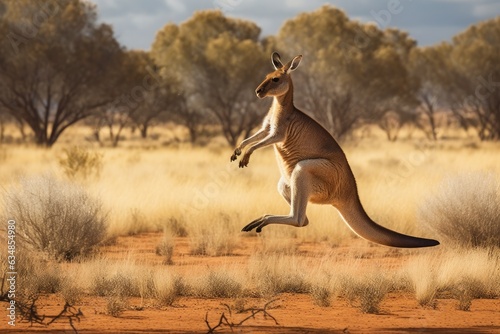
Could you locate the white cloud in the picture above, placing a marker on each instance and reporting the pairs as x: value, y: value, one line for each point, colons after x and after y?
x: 136, y: 22
x: 176, y: 5
x: 485, y: 10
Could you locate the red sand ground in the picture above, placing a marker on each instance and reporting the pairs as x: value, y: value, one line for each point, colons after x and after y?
x: 295, y: 313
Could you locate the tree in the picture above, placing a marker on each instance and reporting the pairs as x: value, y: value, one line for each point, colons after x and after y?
x: 57, y: 65
x: 470, y: 75
x: 355, y: 72
x: 213, y: 58
x: 144, y: 98
x: 425, y: 65
x: 155, y: 99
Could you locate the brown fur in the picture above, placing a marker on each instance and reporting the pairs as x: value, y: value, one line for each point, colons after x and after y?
x: 313, y: 166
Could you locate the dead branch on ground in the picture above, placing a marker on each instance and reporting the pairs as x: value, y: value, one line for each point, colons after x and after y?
x: 225, y: 321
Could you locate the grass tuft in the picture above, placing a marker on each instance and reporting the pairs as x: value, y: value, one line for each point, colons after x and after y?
x: 366, y: 291
x: 166, y: 247
x: 79, y: 162
x: 464, y: 211
x: 219, y: 284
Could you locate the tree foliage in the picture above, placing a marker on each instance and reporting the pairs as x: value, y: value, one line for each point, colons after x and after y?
x: 470, y: 75
x: 142, y: 98
x: 57, y: 64
x: 355, y: 72
x: 214, y: 59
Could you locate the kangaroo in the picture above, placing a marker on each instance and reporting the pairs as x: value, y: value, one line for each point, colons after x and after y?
x: 313, y: 166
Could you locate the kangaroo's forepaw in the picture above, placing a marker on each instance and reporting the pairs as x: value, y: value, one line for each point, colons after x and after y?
x: 258, y: 224
x: 244, y: 161
x: 235, y: 155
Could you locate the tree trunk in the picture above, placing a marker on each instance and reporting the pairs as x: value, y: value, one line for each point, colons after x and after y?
x: 144, y: 130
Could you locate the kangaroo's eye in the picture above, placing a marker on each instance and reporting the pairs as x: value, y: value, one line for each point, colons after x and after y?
x: 275, y: 79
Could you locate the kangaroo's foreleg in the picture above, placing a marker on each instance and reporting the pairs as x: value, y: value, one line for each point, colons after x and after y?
x: 301, y: 182
x: 271, y: 138
x: 258, y: 136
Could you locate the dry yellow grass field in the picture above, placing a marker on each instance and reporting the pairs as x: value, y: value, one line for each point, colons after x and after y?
x: 146, y: 188
x: 175, y: 214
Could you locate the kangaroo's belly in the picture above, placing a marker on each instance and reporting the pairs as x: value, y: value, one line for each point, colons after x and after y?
x: 330, y: 176
x: 286, y: 160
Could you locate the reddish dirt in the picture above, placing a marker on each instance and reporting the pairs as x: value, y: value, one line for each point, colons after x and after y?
x: 295, y: 313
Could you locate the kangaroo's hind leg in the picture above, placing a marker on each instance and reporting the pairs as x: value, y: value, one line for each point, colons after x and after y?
x: 302, y: 183
x: 285, y: 191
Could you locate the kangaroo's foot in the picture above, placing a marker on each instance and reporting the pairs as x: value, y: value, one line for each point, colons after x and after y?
x: 259, y: 223
x: 235, y: 155
x: 244, y: 161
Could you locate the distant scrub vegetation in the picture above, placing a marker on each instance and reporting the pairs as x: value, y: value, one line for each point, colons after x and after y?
x: 201, y: 74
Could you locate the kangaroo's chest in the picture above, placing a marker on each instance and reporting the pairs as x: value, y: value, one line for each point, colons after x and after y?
x: 288, y: 155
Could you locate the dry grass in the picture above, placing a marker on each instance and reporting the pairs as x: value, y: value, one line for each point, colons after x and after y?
x: 464, y: 211
x: 55, y: 216
x: 277, y: 273
x: 166, y: 247
x: 464, y: 275
x: 198, y: 190
x: 168, y: 288
x: 196, y: 193
x: 218, y: 283
x: 214, y: 239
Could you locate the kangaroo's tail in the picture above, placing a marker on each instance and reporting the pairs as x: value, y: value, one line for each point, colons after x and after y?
x: 359, y: 222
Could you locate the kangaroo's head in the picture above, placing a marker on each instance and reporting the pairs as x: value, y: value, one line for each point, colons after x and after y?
x: 278, y: 82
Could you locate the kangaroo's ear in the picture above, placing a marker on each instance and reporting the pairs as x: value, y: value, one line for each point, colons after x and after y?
x: 276, y: 60
x: 293, y: 64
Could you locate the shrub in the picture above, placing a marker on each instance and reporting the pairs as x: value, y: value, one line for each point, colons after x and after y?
x: 421, y: 274
x: 214, y: 240
x: 117, y: 289
x: 146, y: 283
x: 279, y: 274
x: 219, y: 284
x: 468, y: 289
x: 322, y: 295
x: 176, y: 226
x: 322, y: 287
x: 443, y: 274
x: 372, y: 291
x: 49, y: 279
x: 116, y: 304
x: 71, y: 291
x: 166, y: 247
x: 54, y: 216
x: 168, y: 289
x: 465, y: 211
x: 366, y: 292
x: 79, y: 162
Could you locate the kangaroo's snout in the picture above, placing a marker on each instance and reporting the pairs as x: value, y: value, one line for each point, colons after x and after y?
x: 260, y: 91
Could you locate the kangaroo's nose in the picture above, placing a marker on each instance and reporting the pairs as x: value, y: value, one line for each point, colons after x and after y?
x: 260, y: 91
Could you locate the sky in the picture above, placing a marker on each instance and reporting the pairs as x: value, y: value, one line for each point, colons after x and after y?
x: 136, y: 22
